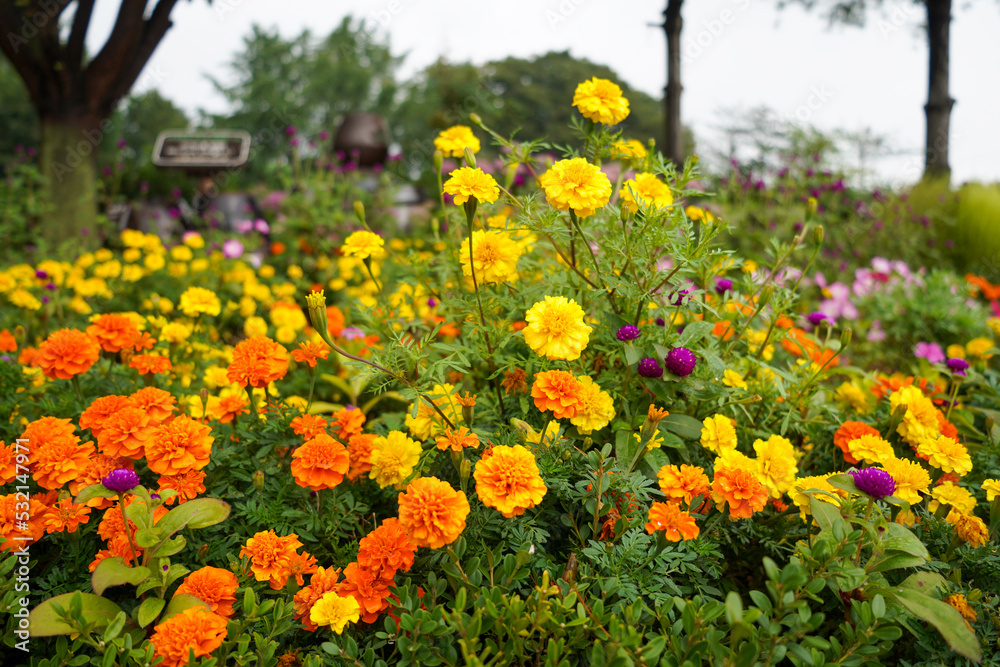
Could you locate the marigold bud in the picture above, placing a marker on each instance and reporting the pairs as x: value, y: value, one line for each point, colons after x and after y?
x: 359, y: 210
x: 470, y: 158
x: 258, y: 480
x: 438, y: 160
x: 845, y: 337
x: 819, y: 233
x: 811, y: 206
x: 476, y: 120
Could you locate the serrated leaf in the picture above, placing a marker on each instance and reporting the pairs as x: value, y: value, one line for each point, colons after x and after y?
x: 43, y: 621
x: 114, y: 572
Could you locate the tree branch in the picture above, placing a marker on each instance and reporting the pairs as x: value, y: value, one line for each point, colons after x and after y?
x: 152, y: 33
x: 81, y: 22
x: 116, y: 53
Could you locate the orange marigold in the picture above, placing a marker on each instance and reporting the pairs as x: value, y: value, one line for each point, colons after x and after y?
x: 557, y: 391
x: 213, y: 586
x: 112, y: 524
x: 98, y: 468
x: 187, y: 485
x: 67, y: 353
x: 142, y: 341
x: 347, y: 423
x: 299, y: 565
x: 258, y: 361
x: 270, y: 555
x: 741, y: 489
x: 55, y: 455
x: 684, y: 482
x: 179, y: 446
x: 432, y: 512
x: 229, y: 408
x: 150, y: 364
x: 156, y: 403
x: 458, y: 440
x: 125, y: 433
x: 515, y: 381
x: 7, y: 341
x: 359, y: 451
x: 194, y: 629
x: 8, y: 461
x: 99, y: 412
x: 309, y: 353
x: 113, y: 331
x: 323, y: 580
x: 309, y: 426
x: 386, y: 550
x: 509, y: 481
x: 65, y: 515
x: 320, y: 463
x: 848, y: 431
x: 370, y: 590
x: 12, y: 523
x: 675, y: 523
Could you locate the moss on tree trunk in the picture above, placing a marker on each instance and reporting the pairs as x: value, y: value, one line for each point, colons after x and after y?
x: 68, y: 158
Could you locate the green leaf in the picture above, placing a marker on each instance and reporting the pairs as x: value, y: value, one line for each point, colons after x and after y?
x: 149, y: 610
x: 945, y: 618
x: 894, y: 561
x: 171, y: 546
x: 147, y: 538
x: 825, y: 514
x: 693, y: 332
x: 94, y: 491
x: 197, y: 513
x: 688, y: 428
x: 114, y: 572
x: 924, y: 582
x: 179, y: 603
x: 844, y: 482
x: 899, y: 538
x: 45, y: 622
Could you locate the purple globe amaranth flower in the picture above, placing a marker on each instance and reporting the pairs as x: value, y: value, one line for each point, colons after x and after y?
x: 817, y: 318
x: 121, y: 480
x: 660, y: 322
x: 681, y: 361
x: 650, y: 368
x: 875, y: 482
x: 723, y: 285
x: 957, y: 366
x: 628, y: 332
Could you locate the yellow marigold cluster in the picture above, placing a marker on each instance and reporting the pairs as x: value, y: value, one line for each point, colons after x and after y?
x: 946, y: 454
x: 472, y: 182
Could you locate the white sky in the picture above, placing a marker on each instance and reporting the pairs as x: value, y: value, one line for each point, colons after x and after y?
x: 737, y: 54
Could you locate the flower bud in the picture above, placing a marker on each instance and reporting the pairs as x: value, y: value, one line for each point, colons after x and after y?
x: 467, y: 413
x: 765, y: 296
x: 819, y: 233
x: 811, y: 206
x: 465, y: 470
x: 470, y: 158
x: 435, y: 226
x: 509, y: 174
x: 359, y: 210
x: 438, y: 160
x: 989, y: 424
x: 202, y: 553
x: 897, y: 417
x: 258, y: 480
x: 845, y: 337
x: 476, y: 120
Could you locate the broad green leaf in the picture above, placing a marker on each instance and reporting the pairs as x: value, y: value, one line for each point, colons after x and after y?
x: 179, y: 603
x: 149, y: 610
x: 94, y: 491
x: 693, y: 332
x: 899, y: 538
x: 894, y: 560
x: 147, y: 538
x: 171, y: 546
x: 824, y: 513
x: 945, y: 618
x: 114, y: 572
x: 688, y: 428
x: 45, y: 622
x: 197, y: 513
x: 844, y: 482
x: 924, y: 582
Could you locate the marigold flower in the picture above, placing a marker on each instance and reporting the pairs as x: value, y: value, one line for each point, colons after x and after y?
x: 308, y: 426
x: 335, y: 611
x: 229, y: 408
x: 920, y: 421
x: 359, y: 451
x: 269, y: 556
x: 870, y: 448
x: 428, y: 422
x: 911, y: 479
x: 432, y: 512
x: 946, y: 454
x: 213, y: 586
x: 299, y: 565
x: 992, y: 489
x: 197, y: 300
x: 453, y: 141
x: 509, y: 480
x: 718, y: 434
x: 471, y: 182
x: 675, y: 523
x: 65, y: 515
x: 972, y: 530
x: 595, y: 408
x: 8, y: 462
x: 631, y: 148
x: 320, y: 463
x: 576, y: 185
x: 555, y: 328
x: 646, y: 191
x: 852, y: 430
x: 310, y: 353
x: 67, y: 353
x: 457, y: 440
x: 386, y: 550
x: 953, y: 495
x: 150, y: 364
x: 557, y: 391
x: 179, y: 446
x: 369, y: 590
x: 347, y: 423
x: 802, y: 499
x: 393, y: 458
x: 100, y: 410
x: 494, y: 256
x: 258, y: 361
x: 322, y: 581
x: 56, y: 455
x: 776, y: 466
x: 363, y: 244
x: 187, y: 485
x: 961, y: 605
x: 684, y: 482
x: 7, y: 341
x: 113, y: 332
x: 601, y: 101
x: 142, y: 341
x: 155, y: 402
x: 194, y: 629
x: 12, y: 521
x: 741, y: 489
x: 125, y: 433
x: 514, y: 382
x: 852, y: 395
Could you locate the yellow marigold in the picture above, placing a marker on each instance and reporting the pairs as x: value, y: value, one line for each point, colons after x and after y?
x: 494, y: 256
x: 453, y: 141
x: 947, y: 454
x: 675, y: 523
x: 684, y: 482
x: 393, y: 458
x: 953, y: 495
x: 920, y: 421
x: 776, y: 466
x: 631, y: 148
x: 731, y: 378
x: 471, y: 182
x: 870, y: 448
x: 179, y: 446
x: 557, y: 391
x: 432, y: 512
x: 320, y: 463
x: 175, y: 332
x: 645, y: 191
x: 992, y: 489
x: 364, y: 244
x: 594, y: 409
x: 601, y: 101
x: 335, y: 611
x: 197, y: 300
x: 428, y: 422
x: 853, y: 396
x: 576, y: 184
x: 961, y: 605
x: 740, y: 488
x: 910, y: 477
x: 978, y: 348
x: 798, y: 494
x: 555, y: 328
x: 194, y: 629
x: 508, y: 480
x: 972, y: 530
x: 718, y: 434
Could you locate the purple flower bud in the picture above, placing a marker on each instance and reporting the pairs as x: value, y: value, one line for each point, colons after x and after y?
x: 681, y: 361
x: 628, y: 332
x: 660, y: 322
x: 324, y: 135
x: 650, y: 368
x: 41, y: 275
x: 290, y: 130
x: 875, y: 482
x: 723, y: 285
x: 957, y: 366
x: 431, y: 302
x: 121, y: 480
x: 817, y: 318
x: 51, y: 287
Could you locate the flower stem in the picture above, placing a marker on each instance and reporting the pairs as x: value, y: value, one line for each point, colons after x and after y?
x: 128, y: 533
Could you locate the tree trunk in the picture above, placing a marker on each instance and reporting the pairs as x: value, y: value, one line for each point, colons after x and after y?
x: 939, y: 102
x: 672, y: 99
x: 68, y: 159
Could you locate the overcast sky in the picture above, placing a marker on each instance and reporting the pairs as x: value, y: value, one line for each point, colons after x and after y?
x: 737, y: 55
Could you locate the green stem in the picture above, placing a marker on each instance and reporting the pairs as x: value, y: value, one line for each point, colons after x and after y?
x: 128, y: 533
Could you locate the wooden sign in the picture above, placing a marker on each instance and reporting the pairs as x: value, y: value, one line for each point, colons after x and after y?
x: 202, y: 149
